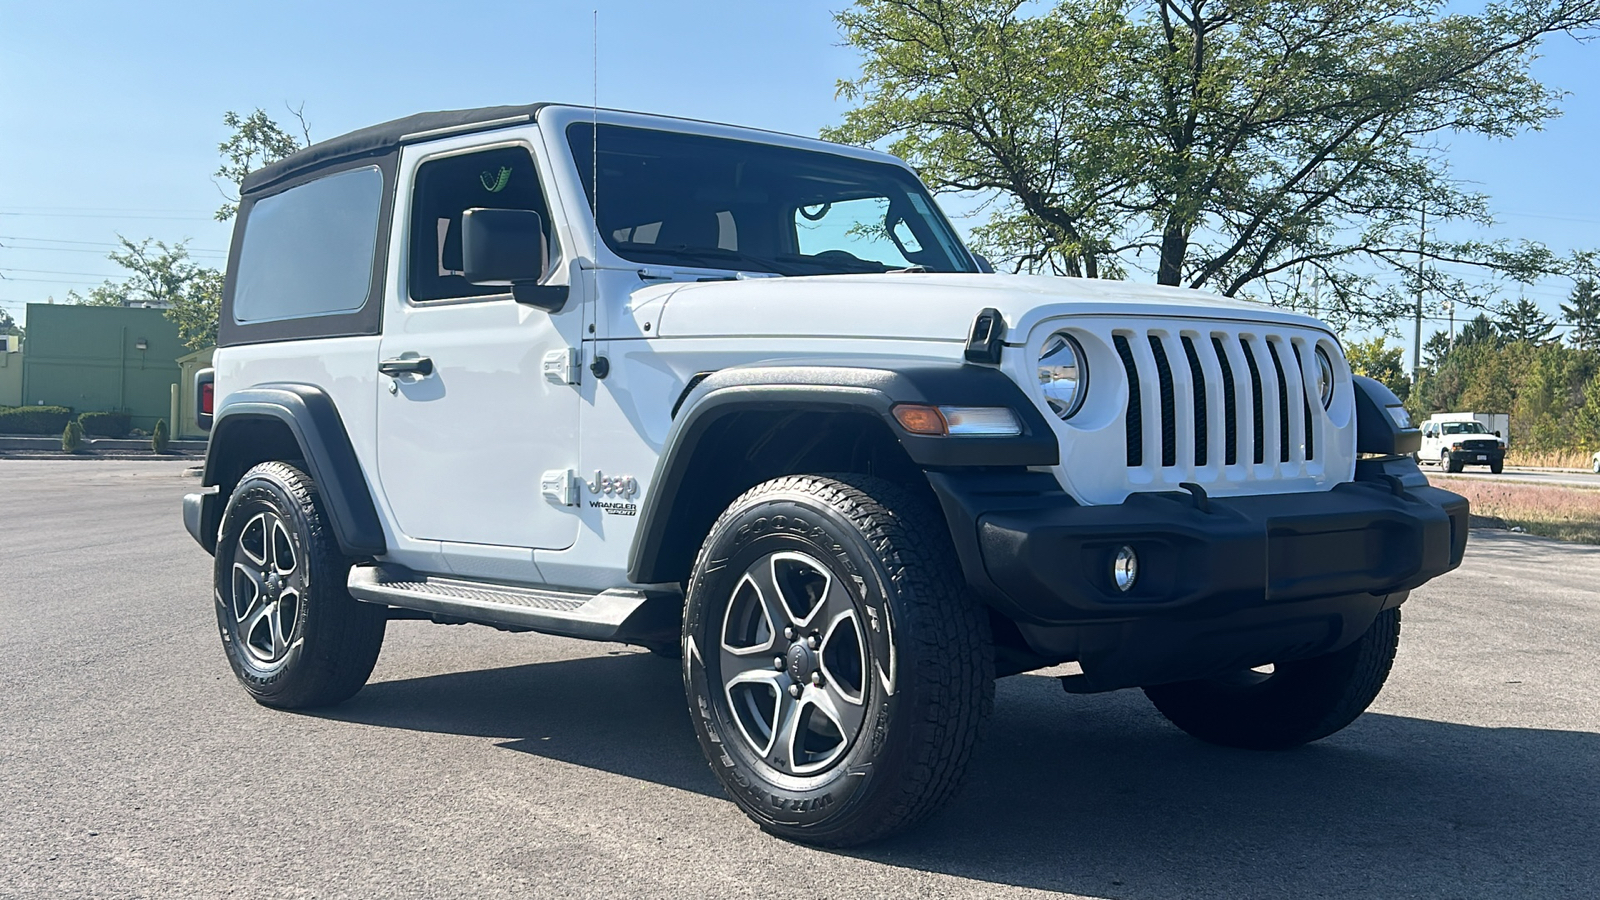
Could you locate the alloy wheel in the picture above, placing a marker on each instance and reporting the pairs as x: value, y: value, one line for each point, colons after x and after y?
x: 268, y: 586
x: 794, y: 663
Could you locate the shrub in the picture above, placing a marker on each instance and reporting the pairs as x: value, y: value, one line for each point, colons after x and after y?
x: 106, y: 424
x: 34, y: 420
x: 72, y: 437
x: 158, y: 440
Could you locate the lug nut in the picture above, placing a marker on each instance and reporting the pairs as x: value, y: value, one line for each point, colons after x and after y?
x: 777, y: 663
x: 794, y: 690
x: 788, y: 633
x: 816, y: 679
x: 813, y: 642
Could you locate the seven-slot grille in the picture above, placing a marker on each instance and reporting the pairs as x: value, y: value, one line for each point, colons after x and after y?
x: 1480, y: 445
x: 1199, y: 400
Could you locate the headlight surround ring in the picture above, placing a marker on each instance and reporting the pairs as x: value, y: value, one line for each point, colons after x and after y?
x: 1063, y: 372
x: 1324, y: 378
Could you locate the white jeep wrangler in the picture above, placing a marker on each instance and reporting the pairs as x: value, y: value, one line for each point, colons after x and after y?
x: 764, y: 411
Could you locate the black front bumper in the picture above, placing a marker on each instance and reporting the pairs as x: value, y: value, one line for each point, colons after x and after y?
x: 1304, y: 573
x: 1478, y: 457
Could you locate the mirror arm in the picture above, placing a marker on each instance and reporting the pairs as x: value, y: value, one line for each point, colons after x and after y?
x: 548, y: 297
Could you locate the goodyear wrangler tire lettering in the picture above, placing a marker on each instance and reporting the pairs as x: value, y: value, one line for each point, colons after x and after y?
x: 806, y: 595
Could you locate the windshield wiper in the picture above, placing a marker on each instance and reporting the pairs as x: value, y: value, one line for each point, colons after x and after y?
x: 718, y: 256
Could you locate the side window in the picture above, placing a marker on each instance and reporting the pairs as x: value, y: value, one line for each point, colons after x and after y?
x: 309, y: 250
x: 504, y: 178
x: 864, y: 228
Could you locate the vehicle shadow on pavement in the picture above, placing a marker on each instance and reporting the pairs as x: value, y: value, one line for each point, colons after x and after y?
x: 1099, y: 796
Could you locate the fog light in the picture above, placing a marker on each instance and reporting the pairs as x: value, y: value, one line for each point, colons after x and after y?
x: 1125, y: 569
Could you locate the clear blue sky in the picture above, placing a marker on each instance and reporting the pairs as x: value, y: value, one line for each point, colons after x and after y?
x: 110, y: 113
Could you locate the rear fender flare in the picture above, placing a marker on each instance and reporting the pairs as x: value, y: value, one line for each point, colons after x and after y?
x: 311, y: 417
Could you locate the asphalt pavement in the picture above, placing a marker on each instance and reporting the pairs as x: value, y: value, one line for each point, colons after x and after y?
x: 479, y: 764
x: 1566, y: 477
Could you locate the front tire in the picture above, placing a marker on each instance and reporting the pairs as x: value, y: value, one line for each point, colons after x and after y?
x: 294, y: 636
x: 1299, y: 702
x: 1448, y: 464
x: 1497, y: 466
x: 838, y: 673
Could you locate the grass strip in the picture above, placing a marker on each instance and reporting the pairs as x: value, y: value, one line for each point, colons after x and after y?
x: 1557, y: 511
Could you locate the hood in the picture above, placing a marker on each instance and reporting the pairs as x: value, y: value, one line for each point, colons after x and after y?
x: 920, y: 306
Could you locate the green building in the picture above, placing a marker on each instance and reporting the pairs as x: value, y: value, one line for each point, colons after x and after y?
x: 102, y: 359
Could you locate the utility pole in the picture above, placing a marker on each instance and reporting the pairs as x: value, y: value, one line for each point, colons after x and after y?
x: 1416, y: 348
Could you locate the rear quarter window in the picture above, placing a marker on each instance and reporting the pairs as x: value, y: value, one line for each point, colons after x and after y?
x: 309, y: 251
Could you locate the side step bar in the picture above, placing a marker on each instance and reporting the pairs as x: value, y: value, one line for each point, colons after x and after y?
x: 618, y: 614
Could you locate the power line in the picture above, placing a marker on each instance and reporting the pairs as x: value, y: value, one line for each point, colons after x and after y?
x: 1548, y: 216
x: 39, y: 240
x: 52, y: 272
x: 106, y: 216
x: 136, y: 209
x: 197, y: 254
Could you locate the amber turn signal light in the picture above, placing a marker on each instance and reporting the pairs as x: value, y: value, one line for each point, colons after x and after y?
x: 921, y: 419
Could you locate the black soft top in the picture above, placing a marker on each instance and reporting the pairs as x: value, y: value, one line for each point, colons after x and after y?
x: 377, y: 140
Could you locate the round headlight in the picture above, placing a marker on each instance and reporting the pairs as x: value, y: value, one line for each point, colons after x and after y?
x: 1324, y: 378
x: 1063, y: 374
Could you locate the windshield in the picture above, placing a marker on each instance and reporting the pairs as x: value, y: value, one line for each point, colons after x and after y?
x: 1464, y: 428
x: 689, y: 200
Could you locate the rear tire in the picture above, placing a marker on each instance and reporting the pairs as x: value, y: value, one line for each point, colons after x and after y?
x: 838, y: 673
x: 1299, y: 702
x: 293, y: 635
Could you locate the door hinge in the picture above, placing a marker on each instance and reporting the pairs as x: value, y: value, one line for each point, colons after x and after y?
x: 560, y: 486
x: 561, y: 366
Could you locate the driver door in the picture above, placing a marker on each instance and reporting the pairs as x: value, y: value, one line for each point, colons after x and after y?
x: 462, y: 446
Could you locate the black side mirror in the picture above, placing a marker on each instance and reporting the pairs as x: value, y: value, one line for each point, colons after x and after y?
x: 508, y: 247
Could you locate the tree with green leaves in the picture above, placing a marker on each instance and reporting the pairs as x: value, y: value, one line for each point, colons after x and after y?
x: 256, y: 141
x: 1436, y: 350
x: 157, y: 274
x: 195, y: 310
x: 1218, y: 144
x: 1582, y: 310
x: 1375, y: 359
x: 1523, y: 321
x: 163, y: 276
x: 1478, y: 330
x: 9, y: 325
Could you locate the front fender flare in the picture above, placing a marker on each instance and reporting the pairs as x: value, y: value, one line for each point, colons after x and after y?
x: 851, y: 387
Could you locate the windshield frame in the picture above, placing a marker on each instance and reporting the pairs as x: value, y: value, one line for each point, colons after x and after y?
x: 1469, y: 427
x: 561, y: 129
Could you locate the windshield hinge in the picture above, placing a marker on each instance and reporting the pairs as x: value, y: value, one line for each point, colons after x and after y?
x: 986, y: 338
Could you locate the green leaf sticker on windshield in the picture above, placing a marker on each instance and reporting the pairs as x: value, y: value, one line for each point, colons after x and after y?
x: 497, y: 183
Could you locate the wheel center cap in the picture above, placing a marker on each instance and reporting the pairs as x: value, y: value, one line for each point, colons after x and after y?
x: 802, y: 662
x: 273, y: 583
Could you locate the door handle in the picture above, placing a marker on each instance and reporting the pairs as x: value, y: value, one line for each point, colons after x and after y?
x: 408, y: 365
